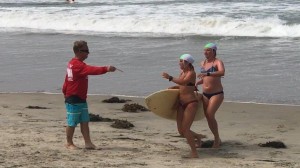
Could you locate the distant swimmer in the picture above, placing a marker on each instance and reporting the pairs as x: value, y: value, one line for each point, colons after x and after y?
x: 70, y: 1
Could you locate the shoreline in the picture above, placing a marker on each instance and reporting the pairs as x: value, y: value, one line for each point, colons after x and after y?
x: 36, y: 137
x: 142, y: 97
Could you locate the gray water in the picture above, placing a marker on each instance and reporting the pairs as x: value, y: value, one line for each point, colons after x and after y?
x: 258, y: 42
x: 262, y: 70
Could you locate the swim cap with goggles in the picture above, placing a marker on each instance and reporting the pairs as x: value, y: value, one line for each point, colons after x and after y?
x: 188, y: 58
x: 211, y: 45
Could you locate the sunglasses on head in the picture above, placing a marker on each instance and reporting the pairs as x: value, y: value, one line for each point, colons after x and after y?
x: 85, y: 51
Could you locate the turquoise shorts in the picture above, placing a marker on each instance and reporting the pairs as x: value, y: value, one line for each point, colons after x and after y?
x: 77, y: 113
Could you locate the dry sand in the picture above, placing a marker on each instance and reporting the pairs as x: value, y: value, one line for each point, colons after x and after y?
x: 36, y: 137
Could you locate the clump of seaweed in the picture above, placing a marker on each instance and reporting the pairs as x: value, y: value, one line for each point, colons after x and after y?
x: 97, y: 118
x: 207, y: 144
x: 133, y: 108
x: 273, y: 144
x: 114, y: 100
x: 122, y: 124
x: 37, y: 107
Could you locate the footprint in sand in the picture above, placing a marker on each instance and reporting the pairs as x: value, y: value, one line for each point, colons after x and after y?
x: 282, y: 128
x: 4, y: 106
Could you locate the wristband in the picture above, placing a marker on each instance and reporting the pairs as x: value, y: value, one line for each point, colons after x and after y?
x: 170, y: 78
x: 208, y: 74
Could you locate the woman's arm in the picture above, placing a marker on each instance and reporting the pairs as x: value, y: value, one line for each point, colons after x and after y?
x: 221, y: 70
x: 179, y: 81
x: 174, y: 87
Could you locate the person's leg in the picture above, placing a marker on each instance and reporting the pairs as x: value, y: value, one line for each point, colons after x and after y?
x: 84, y: 126
x: 179, y: 120
x: 205, y: 101
x: 198, y: 139
x: 188, y: 118
x: 211, y: 109
x: 85, y: 130
x: 70, y: 133
x: 72, y: 120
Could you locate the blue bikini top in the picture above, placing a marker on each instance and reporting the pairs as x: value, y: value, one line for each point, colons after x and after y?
x: 212, y: 68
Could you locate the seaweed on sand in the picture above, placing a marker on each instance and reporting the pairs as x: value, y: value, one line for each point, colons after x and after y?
x: 133, y: 108
x: 114, y: 100
x: 37, y: 107
x: 97, y: 118
x: 122, y: 124
x: 207, y: 144
x: 273, y: 144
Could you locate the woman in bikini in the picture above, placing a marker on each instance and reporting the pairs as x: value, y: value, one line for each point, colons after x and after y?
x: 212, y: 69
x: 188, y: 102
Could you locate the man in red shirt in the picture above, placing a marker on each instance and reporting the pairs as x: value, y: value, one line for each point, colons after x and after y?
x: 75, y: 91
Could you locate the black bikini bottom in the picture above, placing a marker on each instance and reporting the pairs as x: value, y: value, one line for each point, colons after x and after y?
x: 209, y: 95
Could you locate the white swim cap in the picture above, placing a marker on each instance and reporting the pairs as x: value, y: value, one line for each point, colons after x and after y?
x: 211, y: 45
x: 188, y: 58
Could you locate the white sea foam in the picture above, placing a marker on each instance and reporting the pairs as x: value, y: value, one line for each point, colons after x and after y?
x: 93, y: 24
x: 152, y: 18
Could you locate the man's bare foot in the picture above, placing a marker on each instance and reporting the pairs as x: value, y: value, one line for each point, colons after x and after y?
x: 90, y: 146
x: 217, y: 143
x: 71, y: 146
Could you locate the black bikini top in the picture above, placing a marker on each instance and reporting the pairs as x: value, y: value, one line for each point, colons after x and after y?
x: 189, y: 84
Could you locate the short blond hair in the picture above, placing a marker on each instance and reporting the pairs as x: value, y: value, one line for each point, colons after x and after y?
x: 78, y: 45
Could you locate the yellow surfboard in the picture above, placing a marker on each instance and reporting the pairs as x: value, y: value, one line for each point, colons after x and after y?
x: 162, y: 103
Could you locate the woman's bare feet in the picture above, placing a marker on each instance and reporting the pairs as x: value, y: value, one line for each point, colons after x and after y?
x: 198, y: 142
x: 71, y: 146
x: 194, y: 155
x: 191, y: 156
x: 90, y: 146
x: 217, y: 143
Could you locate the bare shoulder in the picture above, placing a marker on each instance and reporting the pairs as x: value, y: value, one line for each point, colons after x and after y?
x: 218, y: 60
x: 219, y: 64
x: 191, y: 73
x: 202, y: 63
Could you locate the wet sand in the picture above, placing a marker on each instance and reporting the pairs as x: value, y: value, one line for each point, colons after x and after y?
x: 36, y: 137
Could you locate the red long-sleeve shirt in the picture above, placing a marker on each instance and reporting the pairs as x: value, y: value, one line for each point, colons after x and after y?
x: 76, y: 81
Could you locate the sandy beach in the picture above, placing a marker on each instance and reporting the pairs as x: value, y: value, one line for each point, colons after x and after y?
x: 36, y: 137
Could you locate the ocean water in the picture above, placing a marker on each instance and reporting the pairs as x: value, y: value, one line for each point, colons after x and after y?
x: 258, y: 42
